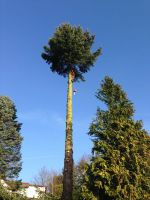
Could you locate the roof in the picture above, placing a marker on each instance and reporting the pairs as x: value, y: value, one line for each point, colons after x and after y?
x: 8, y: 184
x: 26, y: 185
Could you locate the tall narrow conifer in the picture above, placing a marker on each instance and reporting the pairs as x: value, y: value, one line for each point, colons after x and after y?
x: 10, y: 140
x: 119, y: 168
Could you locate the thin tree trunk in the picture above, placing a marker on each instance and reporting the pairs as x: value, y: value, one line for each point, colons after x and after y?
x: 68, y: 161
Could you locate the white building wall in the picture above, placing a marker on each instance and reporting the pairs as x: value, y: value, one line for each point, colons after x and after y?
x: 32, y: 191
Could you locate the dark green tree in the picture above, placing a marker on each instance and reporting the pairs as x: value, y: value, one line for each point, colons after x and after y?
x: 69, y: 54
x: 10, y: 140
x: 119, y: 167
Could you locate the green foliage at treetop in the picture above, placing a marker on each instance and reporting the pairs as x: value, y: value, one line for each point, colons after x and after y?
x: 119, y: 167
x: 10, y: 140
x: 70, y: 50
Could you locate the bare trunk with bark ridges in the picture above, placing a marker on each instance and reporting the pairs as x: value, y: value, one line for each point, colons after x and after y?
x: 68, y: 161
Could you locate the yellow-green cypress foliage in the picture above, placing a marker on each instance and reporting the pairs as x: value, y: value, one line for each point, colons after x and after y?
x: 119, y: 167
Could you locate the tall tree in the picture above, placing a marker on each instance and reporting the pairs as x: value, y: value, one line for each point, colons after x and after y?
x: 119, y: 167
x: 10, y: 140
x: 69, y: 54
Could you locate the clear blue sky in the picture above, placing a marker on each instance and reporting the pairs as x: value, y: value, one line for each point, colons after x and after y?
x: 122, y: 29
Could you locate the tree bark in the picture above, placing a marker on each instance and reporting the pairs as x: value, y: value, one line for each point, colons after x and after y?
x: 68, y: 161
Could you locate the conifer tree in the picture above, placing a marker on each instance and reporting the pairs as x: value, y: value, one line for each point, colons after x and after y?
x: 10, y: 140
x: 69, y: 54
x: 119, y: 166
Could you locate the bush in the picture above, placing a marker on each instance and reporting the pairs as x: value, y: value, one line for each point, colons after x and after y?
x: 7, y: 195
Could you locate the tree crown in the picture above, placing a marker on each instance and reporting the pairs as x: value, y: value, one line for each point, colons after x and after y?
x: 70, y: 50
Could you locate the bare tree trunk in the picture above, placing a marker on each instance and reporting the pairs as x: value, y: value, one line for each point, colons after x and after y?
x: 68, y: 161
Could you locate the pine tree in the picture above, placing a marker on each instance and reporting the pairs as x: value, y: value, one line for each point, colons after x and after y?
x: 119, y: 166
x: 10, y: 140
x: 69, y: 54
